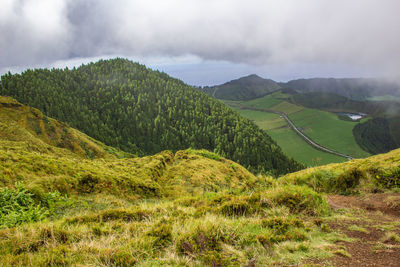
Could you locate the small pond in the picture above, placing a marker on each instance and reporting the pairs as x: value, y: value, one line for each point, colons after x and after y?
x: 353, y: 116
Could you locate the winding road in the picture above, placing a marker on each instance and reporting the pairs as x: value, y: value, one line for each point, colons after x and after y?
x: 298, y: 131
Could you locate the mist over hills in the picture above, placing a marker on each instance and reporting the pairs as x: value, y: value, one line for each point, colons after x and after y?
x: 244, y: 88
x: 376, y: 98
x: 253, y: 86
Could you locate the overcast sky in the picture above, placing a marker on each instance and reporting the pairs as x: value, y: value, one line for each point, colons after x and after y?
x: 207, y: 42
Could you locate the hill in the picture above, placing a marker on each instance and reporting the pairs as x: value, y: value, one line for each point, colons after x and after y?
x: 353, y: 88
x: 137, y: 110
x: 337, y: 103
x: 244, y: 88
x: 189, y: 208
x: 22, y: 123
x: 60, y: 208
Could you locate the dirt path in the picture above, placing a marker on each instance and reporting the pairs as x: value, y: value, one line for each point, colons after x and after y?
x: 375, y: 218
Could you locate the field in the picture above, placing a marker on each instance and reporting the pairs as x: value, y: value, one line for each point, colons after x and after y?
x: 384, y: 98
x: 325, y: 128
x: 328, y: 130
x: 291, y: 144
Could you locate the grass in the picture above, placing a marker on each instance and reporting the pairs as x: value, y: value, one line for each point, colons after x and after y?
x: 380, y: 172
x: 295, y: 146
x: 328, y: 130
x: 189, y: 208
x: 323, y: 127
x: 358, y: 228
x: 291, y: 144
x: 384, y: 98
x: 267, y: 101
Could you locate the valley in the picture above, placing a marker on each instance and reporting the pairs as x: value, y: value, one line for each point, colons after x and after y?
x: 165, y: 199
x: 324, y: 128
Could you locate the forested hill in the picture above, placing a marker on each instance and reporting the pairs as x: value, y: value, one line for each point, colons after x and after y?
x: 126, y: 105
x: 244, y: 88
x: 253, y: 86
x: 353, y: 88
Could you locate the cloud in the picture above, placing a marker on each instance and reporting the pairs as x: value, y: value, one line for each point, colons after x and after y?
x: 360, y: 33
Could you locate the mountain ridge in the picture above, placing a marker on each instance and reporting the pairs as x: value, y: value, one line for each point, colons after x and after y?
x: 135, y: 109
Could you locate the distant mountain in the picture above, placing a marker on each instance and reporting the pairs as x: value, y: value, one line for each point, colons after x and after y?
x: 334, y: 102
x: 128, y: 106
x: 244, y: 88
x: 353, y: 88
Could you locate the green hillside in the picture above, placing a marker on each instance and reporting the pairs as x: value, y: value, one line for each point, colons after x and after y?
x: 379, y: 134
x: 141, y: 111
x: 190, y: 208
x: 288, y: 140
x: 59, y: 207
x: 323, y: 127
x: 245, y: 88
x: 22, y: 123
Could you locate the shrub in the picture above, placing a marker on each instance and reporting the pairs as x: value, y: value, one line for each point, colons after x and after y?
x: 282, y: 229
x: 387, y: 178
x: 19, y: 205
x: 204, y: 153
x: 87, y: 183
x: 346, y: 182
x: 235, y: 208
x: 299, y: 199
x: 162, y: 234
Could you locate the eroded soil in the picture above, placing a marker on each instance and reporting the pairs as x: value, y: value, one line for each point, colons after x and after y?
x: 370, y: 221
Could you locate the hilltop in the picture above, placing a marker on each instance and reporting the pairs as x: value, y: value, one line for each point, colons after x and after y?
x: 244, y: 88
x: 141, y: 111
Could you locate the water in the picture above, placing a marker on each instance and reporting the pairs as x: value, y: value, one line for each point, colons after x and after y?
x: 353, y: 116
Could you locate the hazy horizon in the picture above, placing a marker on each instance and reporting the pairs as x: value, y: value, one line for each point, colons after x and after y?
x: 207, y: 42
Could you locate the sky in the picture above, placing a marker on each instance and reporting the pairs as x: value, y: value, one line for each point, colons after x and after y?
x: 207, y: 42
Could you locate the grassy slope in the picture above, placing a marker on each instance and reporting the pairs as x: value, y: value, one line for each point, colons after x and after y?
x: 379, y: 171
x: 22, y: 123
x: 191, y: 208
x: 323, y: 127
x: 291, y: 144
x: 327, y: 129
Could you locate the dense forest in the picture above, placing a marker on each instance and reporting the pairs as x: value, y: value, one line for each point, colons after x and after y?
x: 128, y: 106
x: 378, y: 135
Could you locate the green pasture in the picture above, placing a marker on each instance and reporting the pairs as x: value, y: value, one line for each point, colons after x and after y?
x: 291, y: 144
x: 328, y: 130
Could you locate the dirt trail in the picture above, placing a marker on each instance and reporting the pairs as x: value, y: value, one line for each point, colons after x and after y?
x: 376, y: 216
